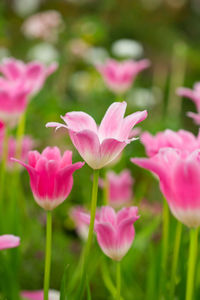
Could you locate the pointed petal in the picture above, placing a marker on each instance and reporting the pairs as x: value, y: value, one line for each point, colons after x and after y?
x: 111, y: 122
x: 79, y: 121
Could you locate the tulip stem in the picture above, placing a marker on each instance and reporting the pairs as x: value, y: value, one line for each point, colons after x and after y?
x: 3, y: 168
x: 165, y: 245
x: 118, y: 280
x: 90, y: 234
x: 191, y: 263
x: 48, y: 254
x: 105, y: 189
x: 175, y: 258
x: 20, y: 134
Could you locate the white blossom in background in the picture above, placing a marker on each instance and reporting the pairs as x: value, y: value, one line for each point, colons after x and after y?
x: 4, y: 52
x: 25, y: 7
x: 78, y: 47
x: 44, y: 25
x: 96, y: 55
x: 126, y: 48
x: 142, y: 97
x: 43, y: 52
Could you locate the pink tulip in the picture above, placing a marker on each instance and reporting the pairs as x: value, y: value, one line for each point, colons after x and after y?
x: 27, y: 145
x: 9, y: 241
x: 31, y: 76
x: 50, y: 176
x: 182, y: 139
x: 99, y: 146
x: 115, y: 231
x: 193, y: 94
x: 13, y: 101
x: 179, y: 176
x: 120, y: 188
x: 119, y: 76
x: 38, y: 295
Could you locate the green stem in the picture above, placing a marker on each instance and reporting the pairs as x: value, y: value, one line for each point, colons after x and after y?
x: 191, y: 263
x: 105, y: 190
x: 48, y: 254
x: 165, y: 245
x: 118, y: 280
x: 3, y: 170
x: 90, y: 234
x: 20, y: 134
x: 175, y: 258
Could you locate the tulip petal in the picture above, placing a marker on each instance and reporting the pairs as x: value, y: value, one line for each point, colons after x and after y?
x: 129, y: 122
x: 79, y: 121
x: 9, y: 241
x: 110, y: 125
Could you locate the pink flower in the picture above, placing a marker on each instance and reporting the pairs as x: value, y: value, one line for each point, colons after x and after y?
x: 13, y: 101
x: 99, y: 146
x: 82, y: 227
x: 44, y: 25
x: 120, y: 188
x: 31, y: 76
x: 38, y: 295
x: 119, y: 76
x: 115, y: 231
x: 182, y: 139
x: 195, y: 117
x: 194, y: 94
x: 27, y: 145
x: 50, y: 176
x: 179, y: 176
x: 9, y: 241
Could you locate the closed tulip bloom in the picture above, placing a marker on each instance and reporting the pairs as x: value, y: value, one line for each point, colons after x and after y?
x: 182, y: 139
x: 38, y: 295
x: 50, y: 176
x: 179, y: 175
x: 99, y: 146
x: 119, y: 76
x: 115, y: 231
x: 31, y: 75
x: 9, y: 241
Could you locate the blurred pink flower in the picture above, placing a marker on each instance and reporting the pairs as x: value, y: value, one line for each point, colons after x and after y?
x: 13, y: 101
x: 120, y: 188
x: 31, y: 76
x: 44, y: 25
x: 182, y: 139
x: 27, y: 145
x: 119, y: 76
x: 115, y: 231
x: 50, y: 176
x: 82, y: 227
x: 9, y: 241
x: 194, y: 95
x: 195, y: 117
x: 38, y: 295
x: 99, y: 146
x: 179, y: 176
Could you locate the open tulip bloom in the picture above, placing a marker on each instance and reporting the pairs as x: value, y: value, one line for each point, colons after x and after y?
x: 182, y: 140
x: 32, y: 74
x: 119, y: 76
x: 99, y: 146
x: 179, y: 176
